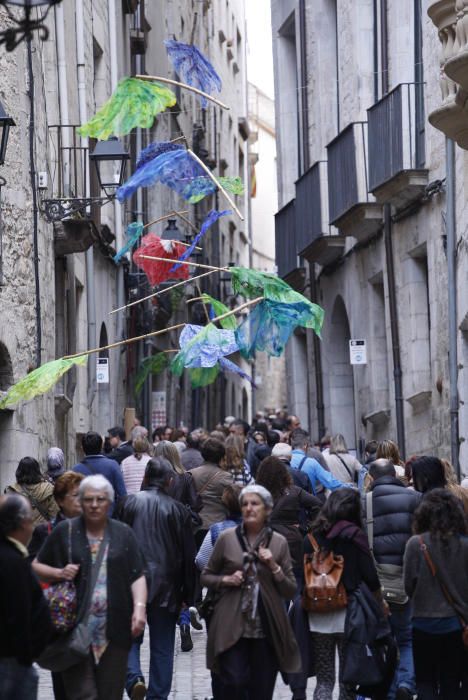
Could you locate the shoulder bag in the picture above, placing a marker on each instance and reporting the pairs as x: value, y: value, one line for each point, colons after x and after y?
x: 324, y: 591
x: 70, y: 649
x: 445, y: 591
x: 390, y: 575
x: 352, y: 477
x: 62, y: 599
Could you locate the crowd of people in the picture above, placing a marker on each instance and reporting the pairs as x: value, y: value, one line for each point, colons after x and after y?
x: 300, y: 558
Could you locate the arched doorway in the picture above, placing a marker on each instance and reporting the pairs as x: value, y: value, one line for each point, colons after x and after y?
x: 104, y: 418
x: 342, y: 408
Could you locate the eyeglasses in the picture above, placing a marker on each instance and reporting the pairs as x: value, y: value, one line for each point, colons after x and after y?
x: 100, y: 500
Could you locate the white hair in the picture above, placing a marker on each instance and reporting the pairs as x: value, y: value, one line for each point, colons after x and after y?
x: 282, y: 450
x: 97, y: 482
x: 260, y: 491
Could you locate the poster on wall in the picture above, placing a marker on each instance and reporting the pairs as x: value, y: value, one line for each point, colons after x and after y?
x: 159, y: 416
x: 357, y: 352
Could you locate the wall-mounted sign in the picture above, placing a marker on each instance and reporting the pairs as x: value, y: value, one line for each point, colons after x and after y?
x: 102, y: 370
x: 357, y: 352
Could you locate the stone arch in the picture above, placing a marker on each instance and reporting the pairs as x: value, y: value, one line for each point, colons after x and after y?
x: 103, y: 340
x: 342, y: 403
x: 6, y: 368
x: 245, y: 404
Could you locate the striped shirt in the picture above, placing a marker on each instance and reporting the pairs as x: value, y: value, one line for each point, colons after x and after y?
x: 133, y: 471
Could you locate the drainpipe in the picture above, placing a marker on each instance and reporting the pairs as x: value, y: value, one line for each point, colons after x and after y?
x: 317, y: 359
x: 65, y: 120
x: 83, y: 112
x: 392, y: 301
x: 452, y: 303
x: 120, y: 288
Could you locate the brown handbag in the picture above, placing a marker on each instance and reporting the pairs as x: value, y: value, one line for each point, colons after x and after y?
x: 323, y: 588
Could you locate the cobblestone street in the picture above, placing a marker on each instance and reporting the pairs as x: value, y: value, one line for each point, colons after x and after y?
x: 191, y: 678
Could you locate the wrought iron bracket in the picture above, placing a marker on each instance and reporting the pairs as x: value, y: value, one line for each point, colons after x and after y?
x: 66, y: 207
x: 24, y: 27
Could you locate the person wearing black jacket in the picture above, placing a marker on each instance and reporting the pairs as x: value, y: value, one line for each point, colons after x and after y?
x: 25, y: 625
x: 121, y: 447
x: 393, y: 507
x: 163, y: 528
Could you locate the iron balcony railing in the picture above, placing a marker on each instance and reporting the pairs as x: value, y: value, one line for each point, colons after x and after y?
x: 396, y: 134
x: 312, y: 205
x: 285, y: 237
x: 347, y: 171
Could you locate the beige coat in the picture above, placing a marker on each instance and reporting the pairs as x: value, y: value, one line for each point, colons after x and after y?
x: 42, y: 494
x: 226, y: 625
x: 210, y: 482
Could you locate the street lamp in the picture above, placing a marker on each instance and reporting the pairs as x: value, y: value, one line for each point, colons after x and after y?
x: 5, y: 123
x: 172, y: 233
x: 110, y: 159
x: 25, y: 25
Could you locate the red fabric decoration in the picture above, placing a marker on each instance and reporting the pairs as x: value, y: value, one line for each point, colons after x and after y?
x: 156, y: 270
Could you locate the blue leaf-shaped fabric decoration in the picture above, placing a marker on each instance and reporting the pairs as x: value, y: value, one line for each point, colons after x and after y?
x: 228, y: 366
x: 156, y: 149
x: 193, y: 67
x: 269, y: 326
x: 134, y: 232
x: 210, y: 219
x: 175, y: 168
x: 202, y: 346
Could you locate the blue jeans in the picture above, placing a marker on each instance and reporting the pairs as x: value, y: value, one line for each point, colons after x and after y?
x: 400, y: 622
x: 184, y: 617
x: 17, y: 682
x: 162, y: 625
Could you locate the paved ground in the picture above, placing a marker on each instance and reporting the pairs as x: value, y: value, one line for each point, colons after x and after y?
x: 191, y: 679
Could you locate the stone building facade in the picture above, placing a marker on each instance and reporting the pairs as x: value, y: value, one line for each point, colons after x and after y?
x: 362, y: 220
x: 59, y: 282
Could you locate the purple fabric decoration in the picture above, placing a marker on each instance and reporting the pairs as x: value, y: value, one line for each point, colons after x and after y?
x: 193, y: 67
x: 210, y: 219
x: 228, y: 366
x: 156, y: 149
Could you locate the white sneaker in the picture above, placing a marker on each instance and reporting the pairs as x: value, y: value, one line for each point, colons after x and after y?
x: 195, y: 620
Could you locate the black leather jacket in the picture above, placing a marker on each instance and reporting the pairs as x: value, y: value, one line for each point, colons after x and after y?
x: 164, y: 532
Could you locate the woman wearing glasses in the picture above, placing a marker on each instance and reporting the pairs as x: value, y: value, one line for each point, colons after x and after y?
x: 107, y: 567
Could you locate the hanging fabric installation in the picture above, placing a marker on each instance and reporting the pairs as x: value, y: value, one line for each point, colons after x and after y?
x: 252, y: 284
x: 176, y: 169
x: 219, y: 309
x: 134, y: 231
x: 40, y: 380
x: 158, y: 271
x: 229, y: 366
x: 202, y: 346
x: 150, y: 365
x: 210, y: 219
x: 193, y: 67
x: 156, y: 149
x: 134, y: 103
x: 269, y: 326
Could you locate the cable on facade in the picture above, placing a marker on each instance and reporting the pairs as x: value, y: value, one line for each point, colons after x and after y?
x: 34, y: 200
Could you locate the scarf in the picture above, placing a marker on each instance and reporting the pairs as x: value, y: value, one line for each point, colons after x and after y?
x: 250, y: 586
x: 349, y: 531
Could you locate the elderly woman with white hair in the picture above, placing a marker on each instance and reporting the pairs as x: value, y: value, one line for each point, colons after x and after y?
x: 249, y: 635
x: 104, y: 559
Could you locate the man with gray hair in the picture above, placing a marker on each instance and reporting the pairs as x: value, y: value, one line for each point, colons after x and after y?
x: 389, y: 510
x: 25, y: 625
x: 301, y: 461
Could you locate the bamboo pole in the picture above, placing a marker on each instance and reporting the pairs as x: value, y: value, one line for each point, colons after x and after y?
x: 166, y: 216
x: 163, y: 291
x: 154, y: 333
x: 187, y: 221
x: 184, y: 262
x: 218, y: 184
x: 159, y: 79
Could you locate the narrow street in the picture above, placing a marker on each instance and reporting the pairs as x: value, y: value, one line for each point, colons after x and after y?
x: 191, y: 678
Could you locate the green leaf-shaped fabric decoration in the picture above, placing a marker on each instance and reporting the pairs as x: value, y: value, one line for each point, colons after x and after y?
x: 201, y: 186
x: 219, y: 309
x: 150, y: 365
x: 40, y: 380
x: 252, y: 284
x: 203, y: 376
x: 134, y: 103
